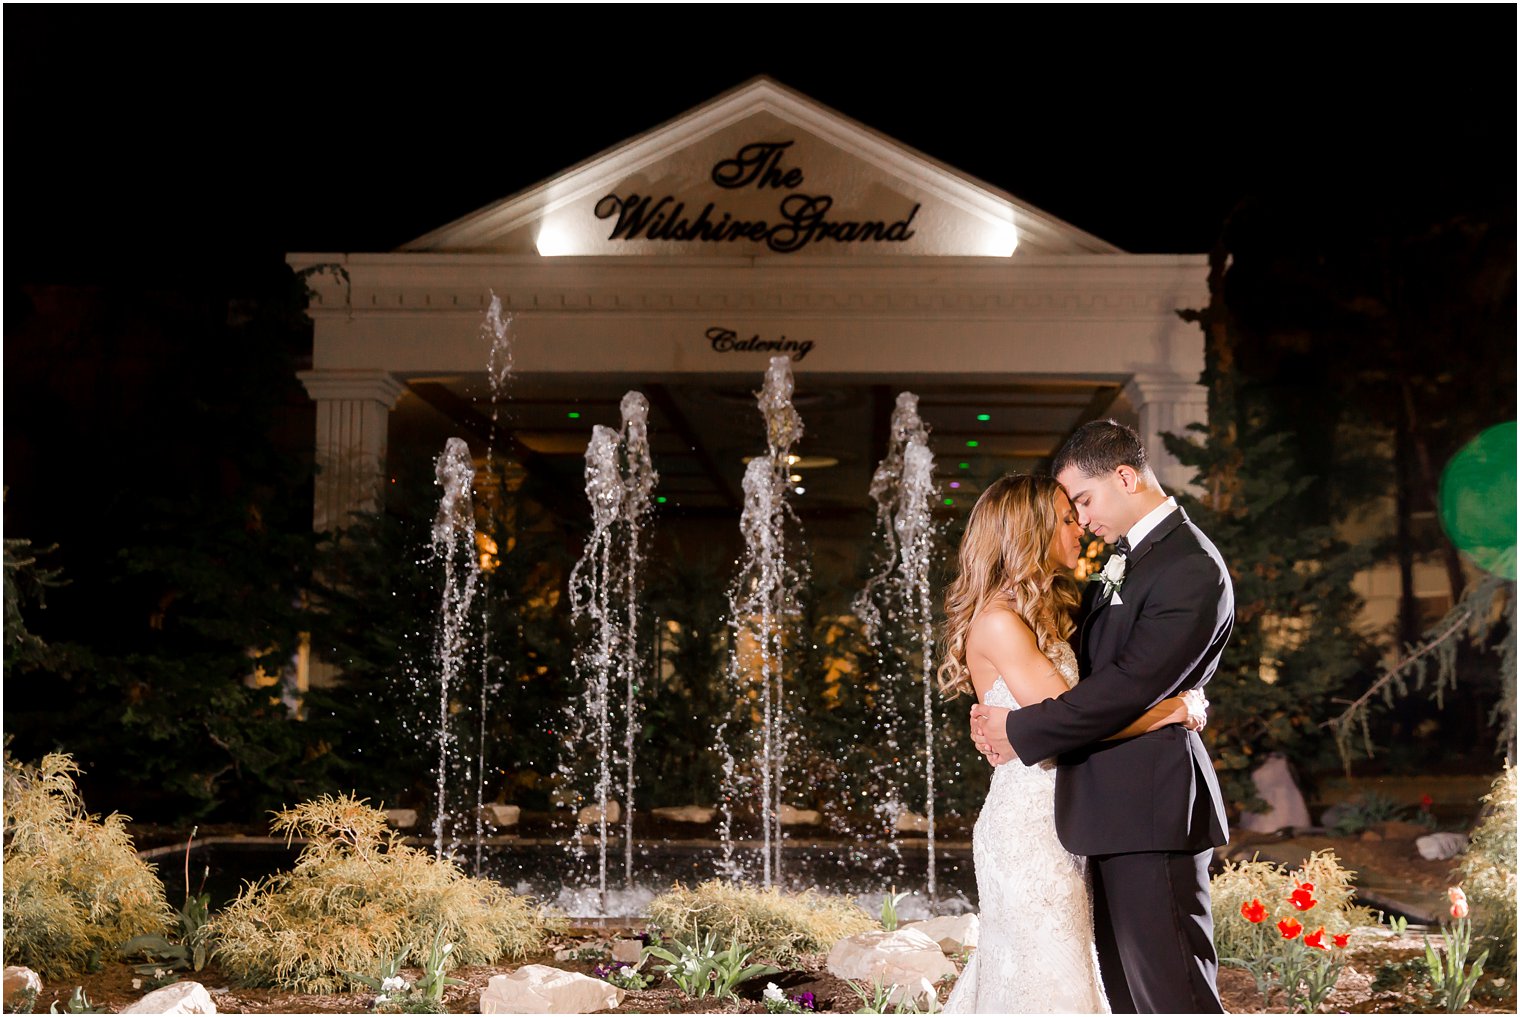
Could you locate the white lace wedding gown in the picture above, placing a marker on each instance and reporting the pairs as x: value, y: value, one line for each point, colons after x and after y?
x: 1035, y: 951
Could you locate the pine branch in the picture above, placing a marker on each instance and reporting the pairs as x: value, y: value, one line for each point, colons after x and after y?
x: 1474, y: 610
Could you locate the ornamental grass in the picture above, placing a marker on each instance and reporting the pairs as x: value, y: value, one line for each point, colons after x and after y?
x: 1236, y: 937
x: 779, y: 927
x: 75, y: 889
x: 1488, y: 874
x: 357, y: 898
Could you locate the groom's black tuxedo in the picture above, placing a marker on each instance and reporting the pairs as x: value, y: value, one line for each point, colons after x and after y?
x: 1156, y: 792
x: 1146, y: 810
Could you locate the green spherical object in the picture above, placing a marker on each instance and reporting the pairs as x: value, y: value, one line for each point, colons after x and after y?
x: 1478, y: 500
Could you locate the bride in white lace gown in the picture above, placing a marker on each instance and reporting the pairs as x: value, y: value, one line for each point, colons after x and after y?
x: 1009, y: 614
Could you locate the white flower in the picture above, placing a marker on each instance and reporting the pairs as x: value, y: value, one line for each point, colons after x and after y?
x: 446, y: 948
x: 1112, y: 576
x: 1113, y: 569
x: 625, y: 970
x: 382, y: 998
x: 773, y: 993
x: 395, y: 983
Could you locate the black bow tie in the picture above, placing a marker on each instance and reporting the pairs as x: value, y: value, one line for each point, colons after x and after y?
x: 1123, y: 546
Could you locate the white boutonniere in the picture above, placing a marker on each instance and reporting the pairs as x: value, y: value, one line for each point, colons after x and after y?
x: 1112, y: 576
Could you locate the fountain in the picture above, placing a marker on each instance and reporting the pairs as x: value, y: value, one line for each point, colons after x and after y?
x: 639, y: 479
x: 497, y: 329
x: 758, y: 738
x: 620, y: 478
x: 592, y: 583
x: 896, y: 599
x: 453, y: 545
x: 763, y: 602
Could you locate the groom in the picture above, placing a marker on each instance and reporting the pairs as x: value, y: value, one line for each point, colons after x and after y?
x: 1146, y: 811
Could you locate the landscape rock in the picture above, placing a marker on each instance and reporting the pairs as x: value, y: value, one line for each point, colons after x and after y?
x: 1434, y: 847
x: 1285, y: 802
x: 920, y: 994
x: 181, y: 997
x: 907, y: 959
x: 953, y: 933
x: 20, y: 980
x: 501, y: 815
x: 402, y: 819
x: 591, y: 815
x: 911, y: 822
x: 628, y: 951
x: 799, y: 817
x: 538, y: 988
x: 686, y: 813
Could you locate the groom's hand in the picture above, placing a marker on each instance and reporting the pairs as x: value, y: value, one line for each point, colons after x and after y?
x: 989, y: 733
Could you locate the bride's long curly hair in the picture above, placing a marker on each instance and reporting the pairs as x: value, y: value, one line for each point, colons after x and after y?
x: 1005, y: 553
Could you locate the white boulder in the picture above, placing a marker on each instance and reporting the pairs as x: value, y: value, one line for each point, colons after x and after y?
x: 907, y: 959
x: 953, y: 933
x: 538, y: 988
x: 799, y: 817
x: 20, y: 980
x: 498, y: 814
x: 686, y: 813
x: 1285, y: 802
x: 181, y: 997
x: 1437, y: 847
x: 591, y: 815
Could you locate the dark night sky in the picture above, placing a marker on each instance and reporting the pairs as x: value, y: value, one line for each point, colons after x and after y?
x: 201, y: 143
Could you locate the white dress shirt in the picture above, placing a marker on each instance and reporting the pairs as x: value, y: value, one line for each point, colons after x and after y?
x: 1149, y: 522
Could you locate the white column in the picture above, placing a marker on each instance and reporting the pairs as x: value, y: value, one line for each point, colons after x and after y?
x: 353, y: 422
x: 1167, y: 402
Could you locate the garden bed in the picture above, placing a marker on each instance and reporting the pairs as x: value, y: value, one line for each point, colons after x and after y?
x: 1383, y: 976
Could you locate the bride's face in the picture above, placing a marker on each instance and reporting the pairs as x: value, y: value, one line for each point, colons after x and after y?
x: 1066, y: 544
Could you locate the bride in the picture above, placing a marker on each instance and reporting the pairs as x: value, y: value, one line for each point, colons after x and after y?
x: 1008, y: 617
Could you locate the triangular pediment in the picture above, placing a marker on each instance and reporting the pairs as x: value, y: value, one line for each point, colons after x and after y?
x: 758, y: 171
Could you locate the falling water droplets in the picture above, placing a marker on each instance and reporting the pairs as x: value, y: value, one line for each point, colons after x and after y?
x: 453, y: 546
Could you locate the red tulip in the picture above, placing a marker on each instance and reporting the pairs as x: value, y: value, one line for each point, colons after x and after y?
x: 1316, y: 939
x: 1289, y: 928
x: 1254, y: 911
x: 1458, y: 902
x: 1342, y: 939
x: 1426, y: 802
x: 1302, y: 899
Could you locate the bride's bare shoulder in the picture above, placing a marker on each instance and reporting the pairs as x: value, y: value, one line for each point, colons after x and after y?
x: 999, y: 623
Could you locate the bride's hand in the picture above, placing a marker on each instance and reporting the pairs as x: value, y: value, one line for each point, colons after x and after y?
x: 1198, y: 709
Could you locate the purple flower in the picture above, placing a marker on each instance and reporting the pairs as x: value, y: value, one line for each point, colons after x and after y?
x: 602, y: 970
x: 807, y: 1001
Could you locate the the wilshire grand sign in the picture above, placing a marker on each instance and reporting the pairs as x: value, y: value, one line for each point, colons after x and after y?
x: 801, y: 219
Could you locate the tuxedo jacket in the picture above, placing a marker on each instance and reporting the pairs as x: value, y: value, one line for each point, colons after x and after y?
x: 1155, y: 792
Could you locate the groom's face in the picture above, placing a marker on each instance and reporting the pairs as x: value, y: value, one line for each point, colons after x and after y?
x: 1103, y: 503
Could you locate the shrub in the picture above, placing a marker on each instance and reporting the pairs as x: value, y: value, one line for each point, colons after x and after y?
x: 1365, y: 811
x: 1488, y: 873
x: 357, y: 897
x: 1289, y: 930
x: 778, y: 926
x: 1242, y: 882
x: 74, y: 887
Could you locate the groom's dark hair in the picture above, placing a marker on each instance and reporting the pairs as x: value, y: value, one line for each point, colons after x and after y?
x: 1099, y: 447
